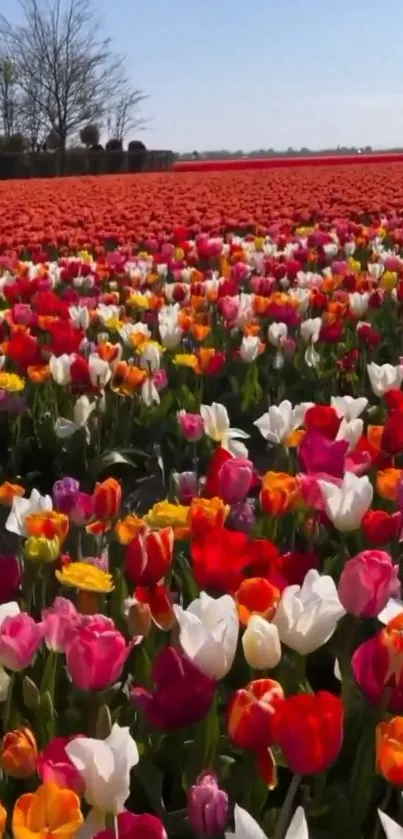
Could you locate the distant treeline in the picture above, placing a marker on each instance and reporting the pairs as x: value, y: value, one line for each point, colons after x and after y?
x: 81, y: 161
x: 223, y: 154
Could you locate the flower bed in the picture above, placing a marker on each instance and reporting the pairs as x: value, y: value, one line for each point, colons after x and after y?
x: 201, y: 502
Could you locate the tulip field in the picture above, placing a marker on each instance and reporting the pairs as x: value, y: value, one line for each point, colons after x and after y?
x: 201, y: 505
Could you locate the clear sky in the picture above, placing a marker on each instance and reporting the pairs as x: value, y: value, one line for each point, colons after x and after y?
x: 242, y: 75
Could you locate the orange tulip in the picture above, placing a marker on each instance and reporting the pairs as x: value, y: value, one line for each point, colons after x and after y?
x: 38, y: 373
x: 19, y: 753
x: 3, y: 819
x: 128, y: 528
x: 389, y: 750
x: 48, y: 812
x: 10, y: 491
x: 207, y: 512
x: 279, y: 493
x: 256, y: 596
x: 387, y: 481
x: 48, y: 523
x: 107, y: 499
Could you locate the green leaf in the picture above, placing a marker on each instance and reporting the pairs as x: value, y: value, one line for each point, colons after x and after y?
x: 151, y: 780
x: 109, y: 460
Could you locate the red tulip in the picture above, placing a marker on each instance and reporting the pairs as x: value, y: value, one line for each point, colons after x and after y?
x: 309, y: 731
x: 323, y: 418
x: 380, y: 527
x: 252, y: 714
x: 149, y: 556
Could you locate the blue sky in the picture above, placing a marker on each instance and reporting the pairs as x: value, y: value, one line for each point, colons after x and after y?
x: 241, y: 75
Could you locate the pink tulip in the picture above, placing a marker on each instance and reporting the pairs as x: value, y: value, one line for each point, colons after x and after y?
x: 235, y: 479
x: 84, y: 509
x: 229, y: 307
x: 60, y: 623
x: 96, y: 654
x: 311, y: 491
x: 20, y: 637
x: 55, y: 767
x: 318, y: 454
x: 191, y: 426
x: 367, y: 582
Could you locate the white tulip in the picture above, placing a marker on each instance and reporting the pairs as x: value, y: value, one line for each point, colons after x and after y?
x: 346, y: 505
x: 150, y: 358
x: 82, y: 411
x: 349, y: 407
x: 149, y: 393
x: 250, y: 348
x: 310, y: 330
x: 134, y: 332
x: 261, y: 644
x: 80, y: 317
x: 209, y: 633
x: 217, y: 427
x: 384, y: 377
x: 277, y: 334
x: 391, y: 828
x: 247, y: 828
x: 23, y: 507
x: 350, y: 431
x: 349, y: 249
x: 393, y: 608
x: 358, y: 303
x: 99, y: 371
x: 60, y: 368
x: 331, y: 249
x: 107, y: 313
x: 280, y: 420
x: 307, y: 615
x: 375, y: 270
x: 105, y: 766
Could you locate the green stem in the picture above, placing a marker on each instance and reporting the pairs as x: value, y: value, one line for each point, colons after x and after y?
x: 285, y: 813
x: 8, y: 703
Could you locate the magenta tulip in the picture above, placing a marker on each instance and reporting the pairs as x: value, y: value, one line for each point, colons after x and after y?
x: 191, y: 426
x: 132, y: 826
x: 182, y: 694
x: 208, y: 806
x: 318, y: 454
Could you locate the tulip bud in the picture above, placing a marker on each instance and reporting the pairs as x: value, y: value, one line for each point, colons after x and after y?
x: 65, y: 494
x: 208, y: 806
x: 30, y: 694
x: 191, y: 426
x: 19, y: 753
x: 46, y: 705
x: 40, y: 549
x: 139, y: 619
x: 242, y: 517
x: 234, y: 479
x: 261, y: 644
x: 186, y: 486
x: 103, y: 726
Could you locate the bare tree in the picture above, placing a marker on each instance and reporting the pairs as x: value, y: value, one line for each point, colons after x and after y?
x: 9, y: 97
x: 123, y: 116
x: 65, y: 67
